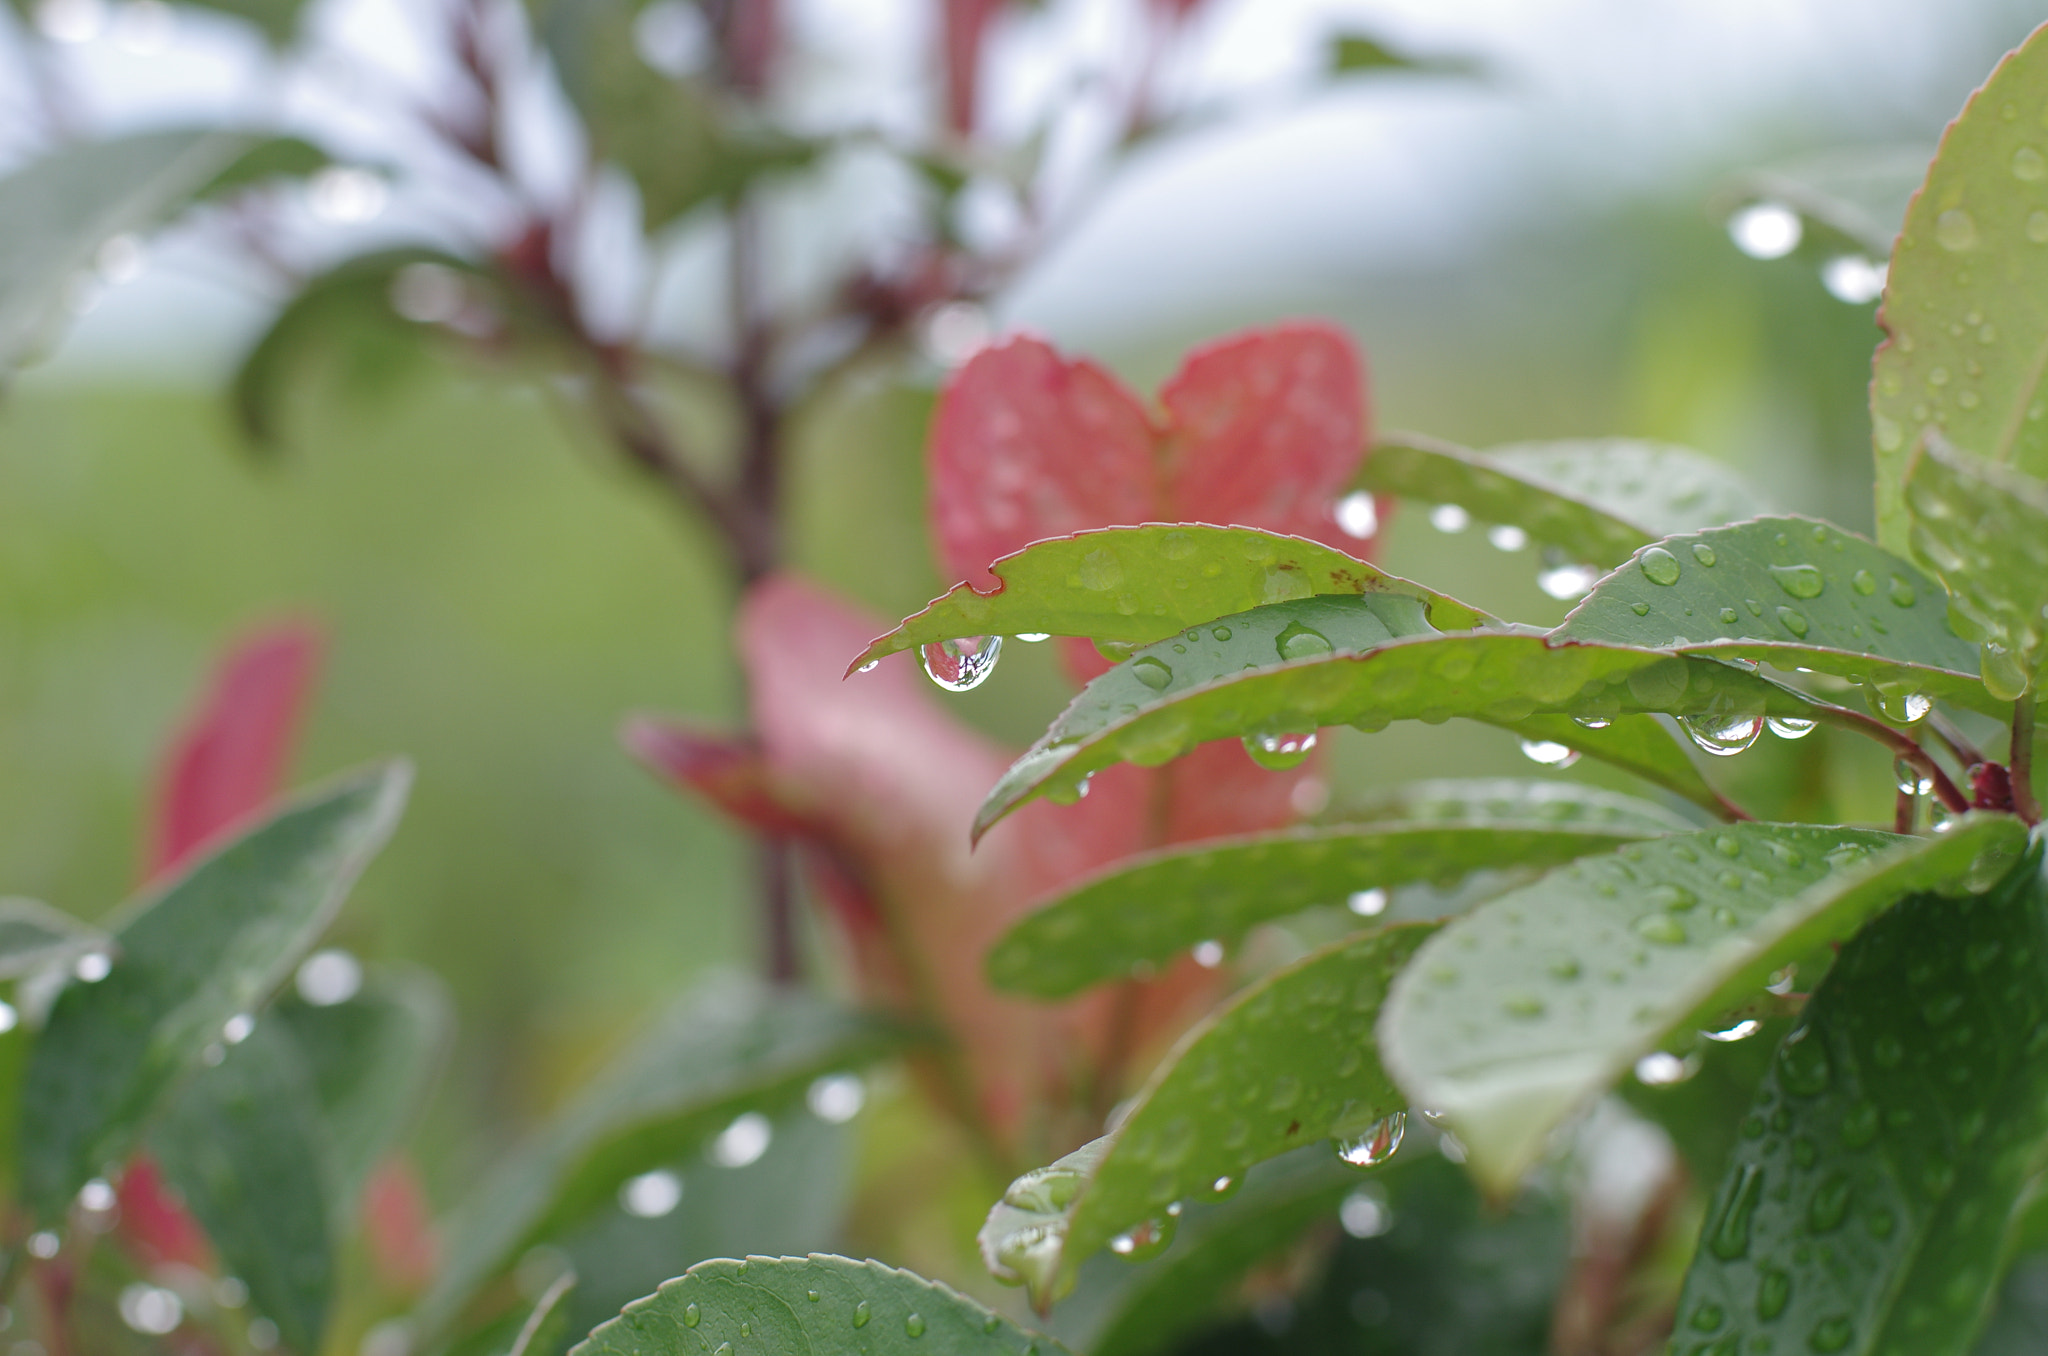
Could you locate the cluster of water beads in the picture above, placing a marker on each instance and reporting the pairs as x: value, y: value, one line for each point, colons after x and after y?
x: 962, y: 664
x: 1375, y: 1144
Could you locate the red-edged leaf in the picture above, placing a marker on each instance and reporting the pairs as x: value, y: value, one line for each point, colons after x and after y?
x: 155, y: 1225
x: 230, y: 759
x: 398, y: 1225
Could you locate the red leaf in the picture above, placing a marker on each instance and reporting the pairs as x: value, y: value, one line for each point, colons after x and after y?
x: 727, y: 770
x: 155, y: 1225
x: 229, y: 760
x: 398, y: 1225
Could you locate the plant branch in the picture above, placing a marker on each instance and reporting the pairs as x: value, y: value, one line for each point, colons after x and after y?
x: 1967, y: 754
x: 2022, y: 755
x: 1945, y: 790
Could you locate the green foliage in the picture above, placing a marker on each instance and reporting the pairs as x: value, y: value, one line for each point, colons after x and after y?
x: 1868, y: 1203
x: 815, y: 1305
x: 33, y: 936
x: 1286, y: 1062
x: 210, y: 947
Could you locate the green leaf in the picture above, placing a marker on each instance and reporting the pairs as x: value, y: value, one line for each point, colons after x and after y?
x: 1918, y: 1066
x: 1596, y: 500
x: 243, y: 1144
x: 807, y: 1306
x: 1149, y: 908
x: 1359, y: 53
x: 1856, y: 195
x: 731, y: 1049
x: 1137, y: 585
x: 1966, y: 300
x: 1984, y: 528
x: 1366, y: 662
x: 1286, y: 1062
x: 1524, y: 1010
x: 1513, y: 801
x: 56, y: 213
x: 34, y: 935
x: 1639, y: 744
x: 372, y: 1060
x: 212, y: 944
x: 1794, y: 593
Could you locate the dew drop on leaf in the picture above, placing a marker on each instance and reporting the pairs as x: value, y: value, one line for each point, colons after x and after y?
x: 1661, y: 928
x: 1375, y: 1145
x: 913, y: 1325
x: 1955, y: 230
x: 1794, y: 621
x: 1722, y: 736
x: 1704, y: 554
x: 1640, y: 609
x: 1773, y: 1293
x: 861, y: 1314
x: 1659, y: 566
x: 1301, y: 642
x: 962, y: 664
x: 1803, y: 1064
x: 1728, y: 1236
x: 1790, y: 727
x: 1153, y: 673
x: 692, y: 1315
x: 1801, y: 581
x: 1144, y: 1240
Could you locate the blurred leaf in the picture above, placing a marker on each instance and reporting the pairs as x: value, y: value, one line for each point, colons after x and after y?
x: 1918, y: 1066
x: 56, y: 212
x: 212, y: 944
x: 1966, y: 299
x: 1286, y: 1062
x: 243, y: 1144
x: 1153, y: 907
x: 1857, y: 194
x: 372, y: 1060
x: 1137, y: 585
x: 1358, y: 53
x: 2019, y: 1324
x: 33, y: 936
x: 1532, y: 1004
x: 1511, y: 801
x: 1791, y: 592
x: 1984, y: 529
x: 1702, y: 1112
x: 768, y: 1303
x: 1294, y: 667
x: 716, y: 1054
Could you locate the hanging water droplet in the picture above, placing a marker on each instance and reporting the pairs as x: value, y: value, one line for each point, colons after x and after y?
x: 1507, y: 537
x: 1722, y: 736
x: 1375, y: 1145
x: 1068, y: 793
x: 1900, y: 706
x: 1741, y: 1031
x: 1661, y: 1068
x: 1550, y: 753
x: 1766, y: 230
x: 1658, y: 565
x: 1358, y: 515
x: 1296, y: 641
x: 1368, y: 903
x: 1592, y: 722
x: 1909, y: 779
x: 1145, y: 1240
x: 1278, y: 752
x: 1224, y: 1186
x: 1153, y: 673
x: 1566, y: 582
x: 1449, y: 518
x: 962, y: 664
x: 1801, y: 581
x: 1033, y: 637
x: 869, y: 667
x: 1790, y: 727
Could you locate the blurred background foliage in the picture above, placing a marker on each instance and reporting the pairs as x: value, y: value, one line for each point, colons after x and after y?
x: 496, y: 593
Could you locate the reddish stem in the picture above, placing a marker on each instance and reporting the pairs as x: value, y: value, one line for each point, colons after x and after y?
x: 2022, y: 760
x: 1945, y: 789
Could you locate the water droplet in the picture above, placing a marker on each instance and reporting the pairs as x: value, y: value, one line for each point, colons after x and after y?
x: 1375, y: 1145
x: 1358, y: 515
x: 962, y: 664
x: 1368, y: 903
x: 1592, y: 722
x: 1364, y: 1213
x: 2028, y: 165
x: 1903, y: 708
x: 1766, y: 230
x: 1640, y: 609
x: 92, y: 967
x: 913, y: 1325
x: 1722, y: 736
x: 1833, y: 1333
x: 2037, y: 227
x: 1853, y: 279
x: 1300, y: 642
x: 1145, y: 1240
x: 1224, y: 1186
x: 1278, y: 752
x: 1790, y: 727
x: 651, y: 1195
x: 1566, y: 582
x: 1795, y: 622
x: 1507, y: 537
x: 1829, y: 1205
x: 1549, y: 753
x: 813, y: 1296
x: 1208, y: 954
x: 1803, y: 1064
x: 1729, y: 616
x: 1773, y: 1292
x: 1864, y: 582
x: 692, y: 1315
x: 1955, y: 230
x: 1704, y: 554
x: 1708, y: 1318
x: 1728, y: 1237
x: 1449, y: 518
x: 1676, y: 898
x: 1523, y: 1005
x: 1661, y: 1068
x: 1801, y: 581
x: 1153, y: 673
x: 1044, y: 1191
x: 870, y: 666
x: 1661, y: 928
x: 238, y: 1028
x: 1034, y: 637
x: 1909, y: 779
x: 1741, y: 1031
x: 861, y: 1314
x: 744, y: 1141
x: 1658, y: 565
x: 1220, y: 632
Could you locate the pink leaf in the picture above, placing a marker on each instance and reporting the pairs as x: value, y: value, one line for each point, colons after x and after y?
x: 155, y: 1225
x: 398, y: 1226
x: 229, y: 761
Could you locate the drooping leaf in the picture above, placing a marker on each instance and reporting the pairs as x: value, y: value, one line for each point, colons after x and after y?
x: 713, y: 1056
x: 1638, y: 744
x: 371, y: 1059
x: 1153, y: 907
x: 1984, y: 529
x: 211, y: 944
x: 1260, y: 430
x: 1288, y: 1061
x: 1137, y: 585
x: 1524, y: 1010
x: 34, y: 936
x: 1857, y: 196
x: 56, y: 213
x: 1597, y: 500
x: 1794, y: 593
x: 1918, y: 1068
x: 808, y: 1306
x: 1966, y: 300
x: 1365, y: 661
x: 244, y: 1145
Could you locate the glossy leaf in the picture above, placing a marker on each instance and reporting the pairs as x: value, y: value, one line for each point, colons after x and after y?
x: 244, y: 1145
x: 1153, y: 907
x: 1366, y: 662
x: 1137, y: 585
x: 1286, y: 1062
x: 713, y: 1056
x: 1791, y: 592
x: 1888, y: 1151
x: 1984, y: 528
x: 33, y: 936
x: 211, y: 944
x: 808, y: 1306
x: 1522, y: 1011
x: 1596, y: 500
x: 57, y: 212
x: 1966, y: 300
